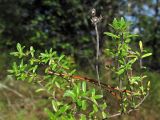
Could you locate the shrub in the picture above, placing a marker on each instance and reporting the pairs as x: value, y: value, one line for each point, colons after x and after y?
x: 72, y: 96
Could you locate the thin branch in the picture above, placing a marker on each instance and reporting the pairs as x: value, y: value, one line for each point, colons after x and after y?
x: 95, y: 20
x: 141, y: 101
x: 83, y: 78
x: 119, y: 114
x: 12, y: 90
x: 97, y: 56
x: 107, y: 87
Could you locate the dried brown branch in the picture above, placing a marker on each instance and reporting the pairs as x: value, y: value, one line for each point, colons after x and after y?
x: 90, y: 80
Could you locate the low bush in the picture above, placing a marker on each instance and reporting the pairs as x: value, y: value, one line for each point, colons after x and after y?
x: 74, y: 96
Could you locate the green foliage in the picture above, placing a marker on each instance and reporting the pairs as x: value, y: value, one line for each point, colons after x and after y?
x: 73, y: 98
x: 124, y: 58
x: 75, y: 95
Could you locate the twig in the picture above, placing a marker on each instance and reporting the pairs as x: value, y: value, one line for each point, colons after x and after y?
x: 141, y: 101
x: 118, y: 114
x: 94, y: 81
x: 12, y: 90
x: 95, y: 20
x: 120, y: 80
x: 97, y: 56
x: 107, y: 87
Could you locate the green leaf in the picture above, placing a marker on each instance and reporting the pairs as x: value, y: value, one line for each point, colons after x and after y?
x: 146, y: 55
x: 54, y: 105
x: 132, y: 35
x: 63, y: 109
x: 95, y: 108
x: 79, y: 102
x: 141, y: 88
x: 72, y: 72
x: 132, y: 61
x: 84, y: 105
x: 120, y: 71
x: 122, y: 21
x: 103, y: 106
x: 32, y: 51
x: 135, y: 80
x: 137, y: 53
x: 104, y: 115
x: 69, y: 93
x: 84, y: 86
x: 61, y: 57
x: 35, y: 68
x: 115, y: 23
x: 78, y: 87
x: 40, y: 89
x: 111, y: 35
x: 15, y: 67
x: 14, y: 53
x: 93, y: 92
x: 50, y: 114
x: 83, y: 117
x: 98, y: 96
x: 54, y: 66
x: 10, y: 71
x: 94, y: 101
x: 141, y: 46
x: 57, y: 84
x: 19, y: 48
x: 148, y: 85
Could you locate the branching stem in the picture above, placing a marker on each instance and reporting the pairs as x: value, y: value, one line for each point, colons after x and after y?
x: 95, y: 20
x: 97, y: 55
x: 136, y: 108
